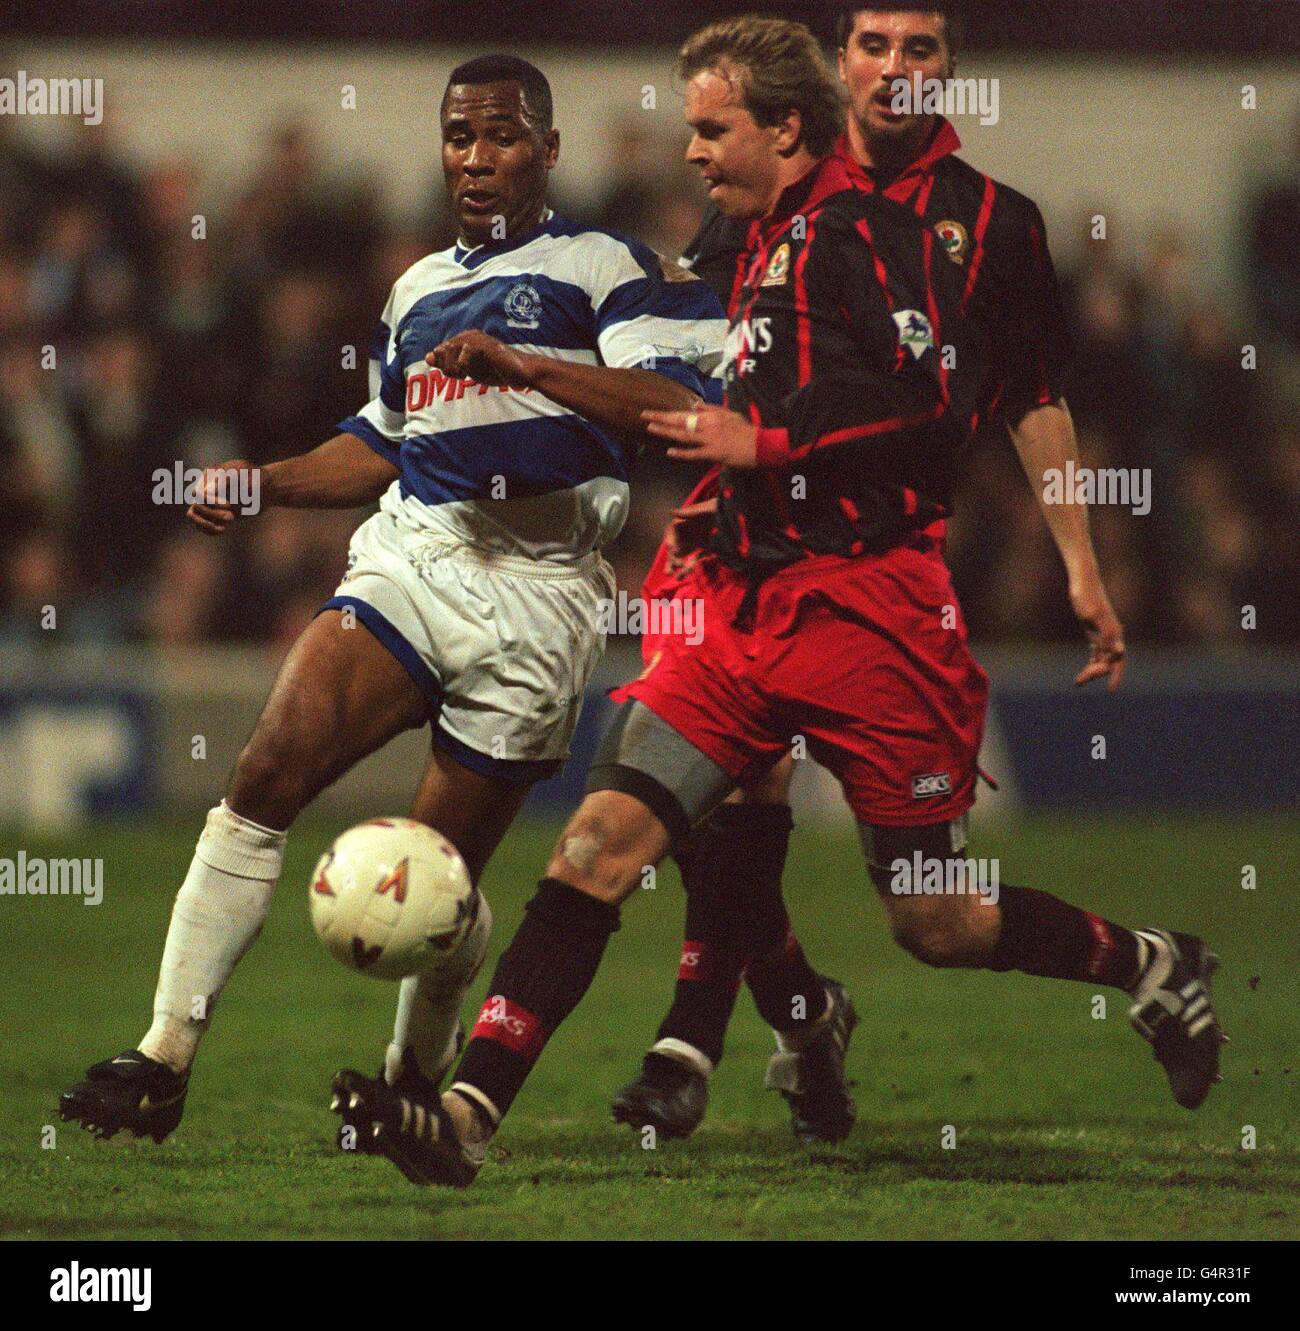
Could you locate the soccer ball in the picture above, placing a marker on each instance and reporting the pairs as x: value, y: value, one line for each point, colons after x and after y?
x: 391, y: 898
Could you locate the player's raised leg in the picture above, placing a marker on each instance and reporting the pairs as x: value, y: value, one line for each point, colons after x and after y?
x: 340, y: 695
x: 648, y: 785
x: 474, y: 811
x: 539, y: 980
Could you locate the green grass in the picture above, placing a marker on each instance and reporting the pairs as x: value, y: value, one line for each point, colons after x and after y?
x: 1065, y: 1128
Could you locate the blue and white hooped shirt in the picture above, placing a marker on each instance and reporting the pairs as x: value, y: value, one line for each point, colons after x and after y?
x: 510, y: 471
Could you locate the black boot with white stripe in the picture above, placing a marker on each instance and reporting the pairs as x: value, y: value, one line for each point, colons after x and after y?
x: 409, y: 1126
x: 1172, y: 1010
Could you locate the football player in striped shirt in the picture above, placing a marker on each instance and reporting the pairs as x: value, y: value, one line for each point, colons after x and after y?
x: 995, y: 238
x: 509, y: 376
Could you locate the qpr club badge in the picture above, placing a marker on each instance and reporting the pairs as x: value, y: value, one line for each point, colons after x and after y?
x: 523, y: 306
x: 955, y: 240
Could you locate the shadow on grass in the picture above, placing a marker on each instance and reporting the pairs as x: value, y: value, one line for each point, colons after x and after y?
x: 987, y: 1151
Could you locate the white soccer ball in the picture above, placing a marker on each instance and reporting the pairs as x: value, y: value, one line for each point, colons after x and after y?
x: 391, y: 898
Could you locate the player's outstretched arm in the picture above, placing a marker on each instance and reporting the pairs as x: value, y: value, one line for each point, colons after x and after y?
x: 344, y: 472
x: 1045, y: 441
x: 611, y: 398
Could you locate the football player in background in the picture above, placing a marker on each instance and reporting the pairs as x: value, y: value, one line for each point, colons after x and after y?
x: 509, y: 381
x: 734, y: 861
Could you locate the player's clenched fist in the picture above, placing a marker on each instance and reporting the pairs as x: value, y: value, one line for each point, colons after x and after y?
x: 481, y: 357
x: 223, y: 492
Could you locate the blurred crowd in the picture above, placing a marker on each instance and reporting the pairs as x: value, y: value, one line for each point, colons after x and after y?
x: 132, y: 336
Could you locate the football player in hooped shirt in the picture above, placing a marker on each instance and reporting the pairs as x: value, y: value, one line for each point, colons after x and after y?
x: 509, y: 377
x: 995, y: 239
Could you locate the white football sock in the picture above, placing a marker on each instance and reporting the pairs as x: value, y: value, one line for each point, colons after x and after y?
x: 429, y: 1006
x: 219, y: 911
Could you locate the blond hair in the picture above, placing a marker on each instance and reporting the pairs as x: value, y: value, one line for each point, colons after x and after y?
x: 779, y: 67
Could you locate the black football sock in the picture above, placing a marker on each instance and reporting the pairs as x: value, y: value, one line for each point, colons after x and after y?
x: 789, y: 994
x: 540, y: 979
x: 1042, y: 935
x: 734, y: 857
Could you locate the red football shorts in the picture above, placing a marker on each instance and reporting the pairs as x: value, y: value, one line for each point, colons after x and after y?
x: 866, y: 659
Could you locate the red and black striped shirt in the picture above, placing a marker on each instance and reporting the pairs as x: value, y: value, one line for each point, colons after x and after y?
x: 992, y: 233
x: 850, y: 353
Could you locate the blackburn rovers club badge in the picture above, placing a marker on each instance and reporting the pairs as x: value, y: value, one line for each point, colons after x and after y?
x: 779, y: 269
x: 523, y: 306
x: 955, y: 240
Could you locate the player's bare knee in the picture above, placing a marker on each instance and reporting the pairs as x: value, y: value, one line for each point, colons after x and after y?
x: 930, y: 946
x: 936, y: 932
x: 583, y: 860
x: 602, y: 849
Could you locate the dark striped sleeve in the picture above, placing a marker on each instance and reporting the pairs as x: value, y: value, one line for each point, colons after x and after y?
x: 716, y: 254
x: 1025, y: 303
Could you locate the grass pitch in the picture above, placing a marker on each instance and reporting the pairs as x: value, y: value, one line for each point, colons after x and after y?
x: 1064, y: 1127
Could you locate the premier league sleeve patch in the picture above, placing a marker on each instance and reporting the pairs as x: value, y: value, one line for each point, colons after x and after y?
x: 914, y: 331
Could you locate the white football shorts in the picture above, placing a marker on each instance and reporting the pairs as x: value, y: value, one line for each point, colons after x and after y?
x: 501, y: 647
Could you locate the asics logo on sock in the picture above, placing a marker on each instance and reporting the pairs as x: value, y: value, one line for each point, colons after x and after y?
x: 515, y: 1026
x: 510, y: 1025
x: 1103, y: 943
x: 692, y: 965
